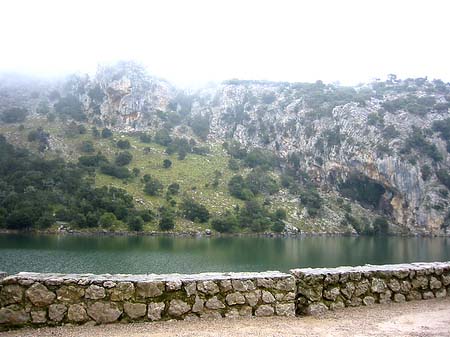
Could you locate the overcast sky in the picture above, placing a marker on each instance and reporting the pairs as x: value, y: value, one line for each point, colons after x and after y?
x: 191, y: 42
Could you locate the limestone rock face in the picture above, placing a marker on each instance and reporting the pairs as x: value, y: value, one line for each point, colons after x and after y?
x: 104, y: 312
x: 39, y: 295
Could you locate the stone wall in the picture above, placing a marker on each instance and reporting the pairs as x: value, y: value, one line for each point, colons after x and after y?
x: 31, y: 299
x: 54, y: 299
x: 319, y: 290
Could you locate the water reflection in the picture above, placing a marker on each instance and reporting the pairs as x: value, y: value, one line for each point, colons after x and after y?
x: 189, y: 255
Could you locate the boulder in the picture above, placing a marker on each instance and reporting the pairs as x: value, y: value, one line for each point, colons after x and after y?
x: 69, y: 294
x: 11, y: 294
x: 95, y: 292
x: 235, y: 298
x: 178, y: 308
x: 264, y: 310
x: 56, y: 312
x: 135, y: 310
x: 77, y: 313
x: 155, y: 311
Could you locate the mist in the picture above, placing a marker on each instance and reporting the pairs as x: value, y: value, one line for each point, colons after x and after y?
x: 194, y: 42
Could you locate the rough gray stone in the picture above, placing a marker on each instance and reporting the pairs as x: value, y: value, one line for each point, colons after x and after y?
x: 413, y: 295
x: 109, y: 284
x: 362, y: 287
x: 239, y: 285
x: 348, y: 290
x: 155, y: 311
x: 95, y: 292
x: 214, y: 303
x: 123, y: 291
x: 405, y: 287
x: 265, y: 283
x: 313, y: 294
x: 104, y: 312
x: 440, y: 293
x: 135, y: 310
x: 435, y: 283
x: 235, y: 298
x: 354, y: 302
x: 399, y: 298
x: 198, y: 305
x: 207, y: 287
x: 316, y: 309
x: 420, y: 282
x: 232, y: 313
x: 378, y: 285
x: 178, y: 307
x: 428, y: 295
x: 13, y: 315
x: 69, y: 294
x: 39, y: 295
x: 77, y: 313
x: 226, y: 286
x: 11, y: 294
x: 38, y: 317
x: 190, y: 288
x: 210, y: 314
x: 149, y: 289
x: 385, y: 297
x: 245, y: 311
x: 368, y: 300
x: 394, y: 285
x: 264, y: 310
x: 337, y: 305
x: 287, y: 309
x: 56, y: 312
x: 253, y: 297
x: 287, y: 284
x: 267, y: 297
x: 173, y: 285
x: 446, y: 280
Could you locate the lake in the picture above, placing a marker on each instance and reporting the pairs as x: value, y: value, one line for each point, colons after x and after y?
x: 150, y: 254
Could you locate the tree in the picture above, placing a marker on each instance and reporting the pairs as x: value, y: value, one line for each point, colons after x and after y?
x: 145, y: 138
x: 153, y: 187
x: 167, y: 219
x: 14, y: 115
x: 106, y: 133
x: 87, y: 146
x: 123, y: 158
x: 225, y: 223
x: 173, y: 189
x: 167, y: 163
x: 136, y: 224
x: 162, y: 137
x: 182, y: 154
x: 107, y: 220
x: 123, y: 144
x: 194, y: 211
x: 380, y: 226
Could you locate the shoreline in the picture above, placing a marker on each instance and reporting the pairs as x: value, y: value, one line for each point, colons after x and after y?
x: 206, y: 234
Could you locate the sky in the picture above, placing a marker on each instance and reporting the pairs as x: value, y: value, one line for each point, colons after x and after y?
x: 192, y: 42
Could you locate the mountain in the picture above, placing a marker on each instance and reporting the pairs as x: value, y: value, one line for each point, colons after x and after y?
x: 344, y: 159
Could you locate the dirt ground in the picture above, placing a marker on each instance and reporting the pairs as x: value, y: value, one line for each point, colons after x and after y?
x: 420, y: 318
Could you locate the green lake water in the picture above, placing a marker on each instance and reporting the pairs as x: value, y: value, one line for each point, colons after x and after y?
x: 109, y: 254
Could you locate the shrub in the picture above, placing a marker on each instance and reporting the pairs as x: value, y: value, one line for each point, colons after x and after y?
x: 123, y: 158
x: 136, y: 224
x: 106, y: 133
x: 153, y: 187
x: 87, y: 146
x: 380, y: 226
x: 14, y: 115
x: 194, y: 211
x: 107, y: 220
x: 225, y: 224
x: 115, y: 171
x: 145, y: 138
x: 167, y: 219
x: 167, y: 163
x: 123, y: 144
x: 173, y: 189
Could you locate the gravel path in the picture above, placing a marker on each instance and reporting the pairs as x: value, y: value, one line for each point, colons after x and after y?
x: 420, y: 318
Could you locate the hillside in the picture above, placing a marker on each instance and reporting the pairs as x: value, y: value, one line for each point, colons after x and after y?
x: 259, y: 156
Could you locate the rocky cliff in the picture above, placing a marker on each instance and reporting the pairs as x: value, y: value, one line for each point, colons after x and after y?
x: 382, y: 145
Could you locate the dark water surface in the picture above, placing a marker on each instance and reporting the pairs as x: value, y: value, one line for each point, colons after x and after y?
x: 106, y: 254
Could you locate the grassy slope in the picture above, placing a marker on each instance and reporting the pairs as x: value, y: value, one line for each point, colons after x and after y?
x: 194, y: 174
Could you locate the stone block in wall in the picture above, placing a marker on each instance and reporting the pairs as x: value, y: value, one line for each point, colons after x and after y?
x: 104, y: 312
